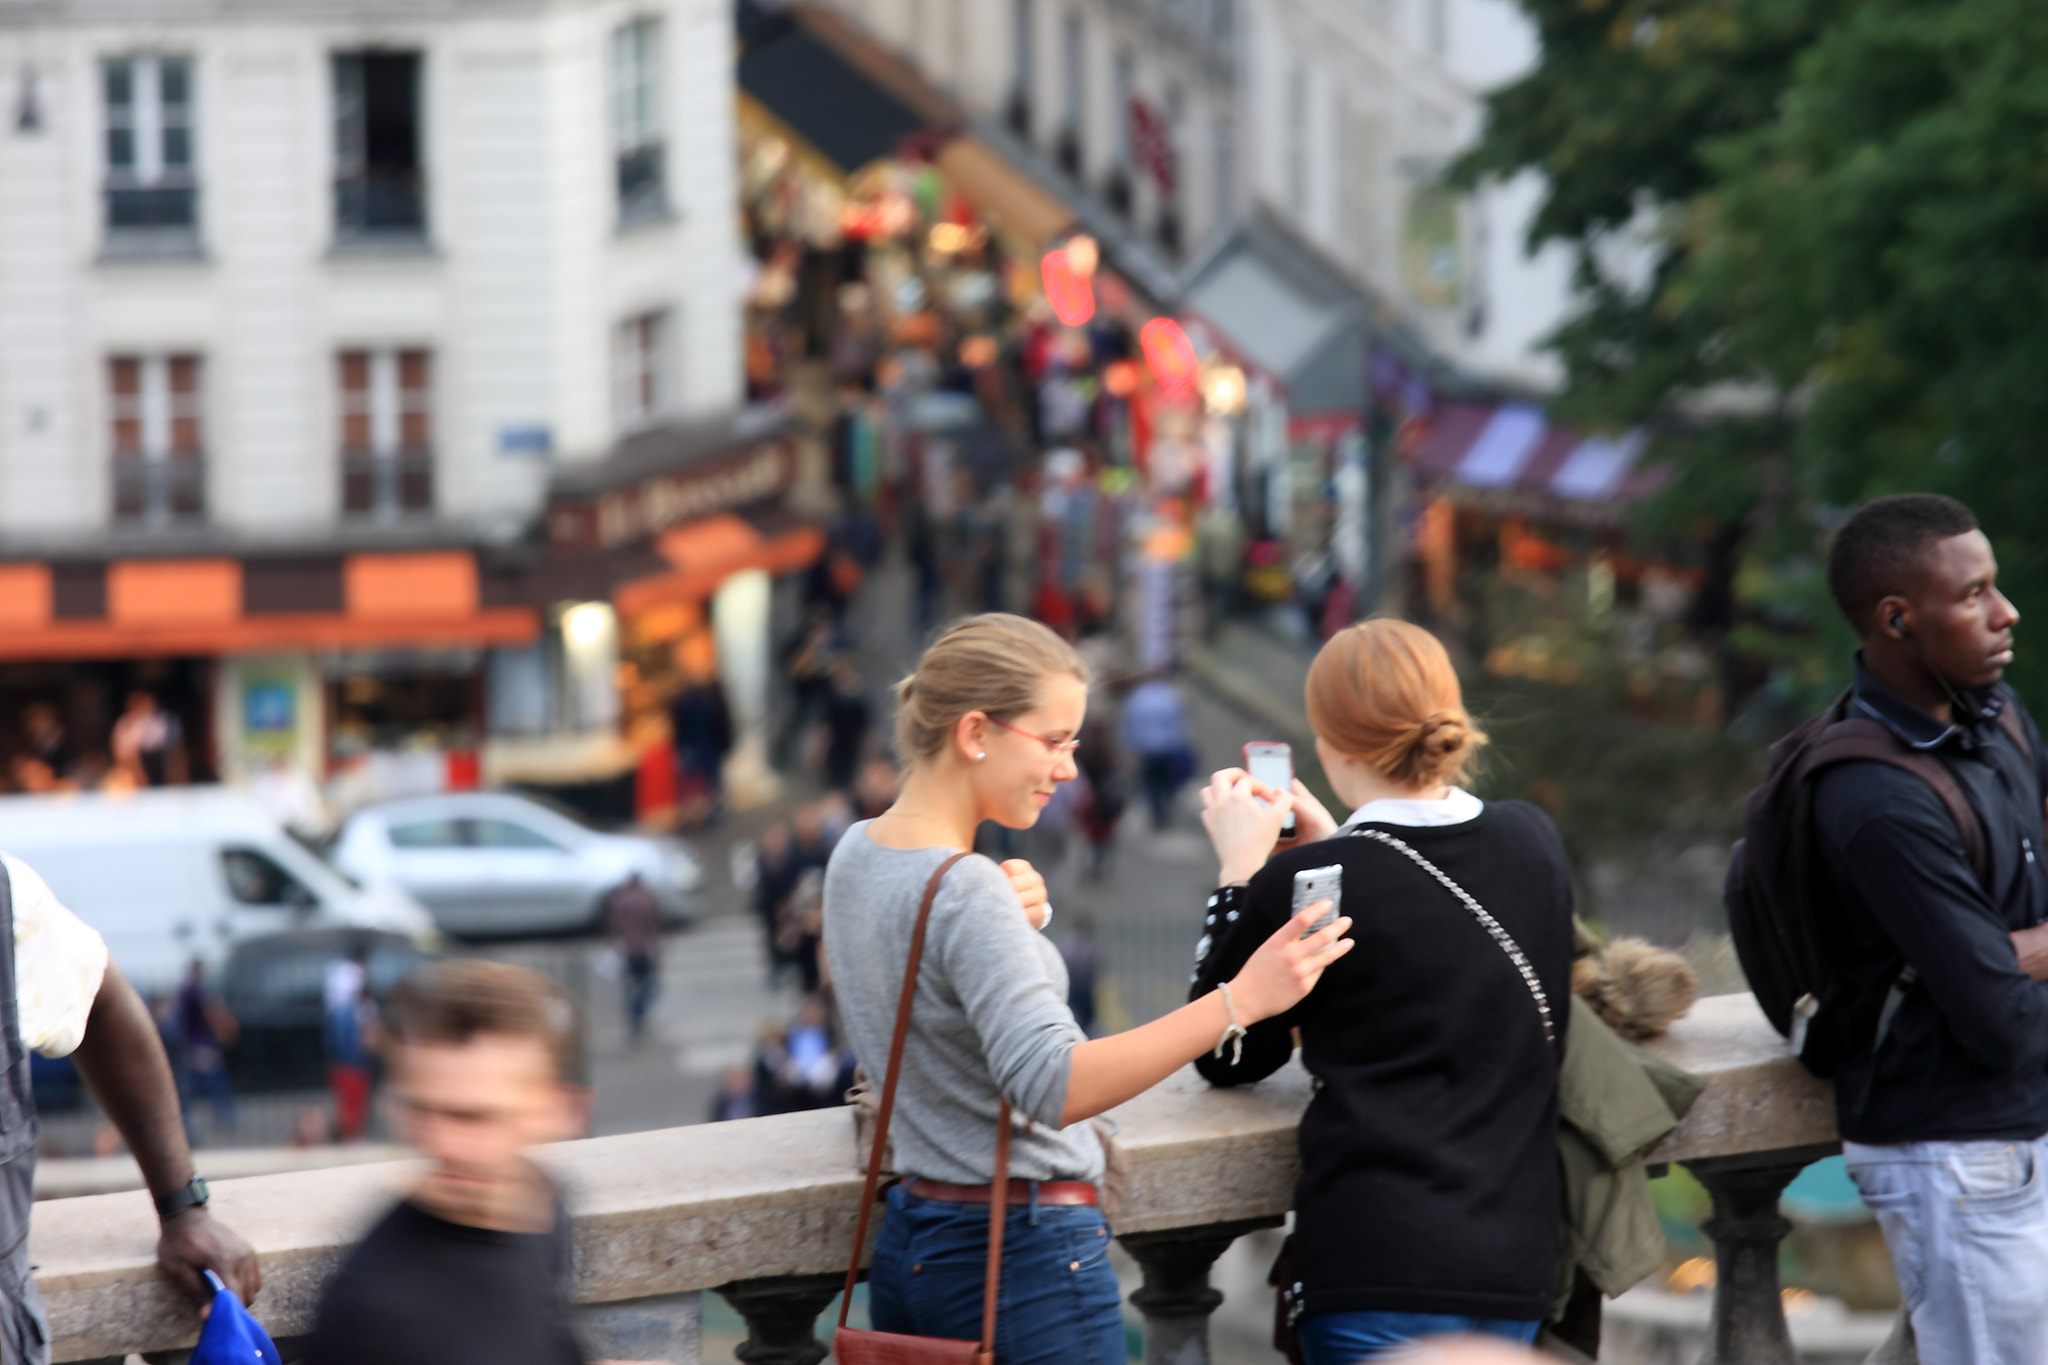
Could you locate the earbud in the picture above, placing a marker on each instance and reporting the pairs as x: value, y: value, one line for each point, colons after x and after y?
x: 1899, y: 624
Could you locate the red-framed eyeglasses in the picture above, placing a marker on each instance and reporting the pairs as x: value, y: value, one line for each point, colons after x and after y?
x: 1055, y: 746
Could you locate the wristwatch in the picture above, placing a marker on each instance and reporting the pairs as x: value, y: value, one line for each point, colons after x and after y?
x: 193, y: 1195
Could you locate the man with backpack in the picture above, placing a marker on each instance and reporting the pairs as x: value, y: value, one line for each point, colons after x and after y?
x: 1889, y: 901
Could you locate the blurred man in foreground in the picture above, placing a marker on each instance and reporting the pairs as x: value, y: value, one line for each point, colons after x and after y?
x: 60, y: 994
x: 473, y: 1265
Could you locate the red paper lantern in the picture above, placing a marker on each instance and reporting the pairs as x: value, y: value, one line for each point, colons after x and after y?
x: 1169, y: 354
x: 1069, y: 293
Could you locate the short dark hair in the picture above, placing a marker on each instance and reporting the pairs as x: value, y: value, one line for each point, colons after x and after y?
x: 456, y: 1001
x: 1877, y: 549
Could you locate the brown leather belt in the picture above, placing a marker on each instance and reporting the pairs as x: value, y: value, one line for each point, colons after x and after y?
x: 1049, y: 1192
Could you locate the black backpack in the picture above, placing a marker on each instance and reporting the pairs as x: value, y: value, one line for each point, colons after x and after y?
x: 1782, y: 913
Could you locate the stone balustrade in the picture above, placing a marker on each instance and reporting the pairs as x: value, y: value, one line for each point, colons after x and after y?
x: 761, y: 1211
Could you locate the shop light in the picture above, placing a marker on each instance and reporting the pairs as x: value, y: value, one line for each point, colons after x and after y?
x: 1223, y: 389
x: 1083, y: 255
x: 978, y: 352
x: 1120, y: 377
x: 586, y: 624
x: 950, y: 238
x: 1168, y: 353
x: 1071, y: 296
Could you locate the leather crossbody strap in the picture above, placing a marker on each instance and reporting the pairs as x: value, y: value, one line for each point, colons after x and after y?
x: 886, y: 1111
x: 1487, y: 922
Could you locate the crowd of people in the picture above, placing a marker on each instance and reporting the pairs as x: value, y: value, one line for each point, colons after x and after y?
x: 144, y: 747
x: 1429, y: 978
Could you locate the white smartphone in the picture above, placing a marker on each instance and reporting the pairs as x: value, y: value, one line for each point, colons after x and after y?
x: 1313, y: 884
x: 1273, y: 764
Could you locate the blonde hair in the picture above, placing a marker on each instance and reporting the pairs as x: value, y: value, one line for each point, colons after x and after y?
x: 993, y: 663
x: 1384, y: 692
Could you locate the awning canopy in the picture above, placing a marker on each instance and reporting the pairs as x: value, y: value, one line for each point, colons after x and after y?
x: 159, y: 608
x: 809, y: 86
x: 704, y: 553
x: 1511, y: 456
x: 851, y: 101
x: 1274, y: 304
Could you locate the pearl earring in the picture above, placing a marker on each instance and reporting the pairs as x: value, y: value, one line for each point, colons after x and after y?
x: 979, y: 757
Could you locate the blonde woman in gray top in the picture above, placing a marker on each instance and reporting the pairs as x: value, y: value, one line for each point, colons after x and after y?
x: 988, y: 724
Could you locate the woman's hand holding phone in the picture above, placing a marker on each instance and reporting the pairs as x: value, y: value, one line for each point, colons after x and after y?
x: 1243, y: 818
x: 1287, y: 966
x: 1312, y: 820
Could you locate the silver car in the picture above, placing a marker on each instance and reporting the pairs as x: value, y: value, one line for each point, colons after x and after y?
x: 494, y: 863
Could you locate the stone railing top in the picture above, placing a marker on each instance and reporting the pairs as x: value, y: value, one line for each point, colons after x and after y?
x: 691, y: 1208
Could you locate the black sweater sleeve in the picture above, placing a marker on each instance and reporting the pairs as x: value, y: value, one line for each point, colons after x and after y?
x: 1236, y: 923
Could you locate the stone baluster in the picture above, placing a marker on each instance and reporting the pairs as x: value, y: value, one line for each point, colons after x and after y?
x: 782, y: 1315
x: 1176, y: 1297
x: 1746, y: 1228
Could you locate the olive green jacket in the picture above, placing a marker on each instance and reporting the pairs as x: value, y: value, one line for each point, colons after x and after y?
x: 1615, y: 1102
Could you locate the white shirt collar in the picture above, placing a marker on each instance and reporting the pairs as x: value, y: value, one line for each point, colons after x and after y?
x: 1454, y: 809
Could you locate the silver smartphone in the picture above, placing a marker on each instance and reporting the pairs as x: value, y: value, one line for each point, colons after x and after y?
x: 1313, y: 884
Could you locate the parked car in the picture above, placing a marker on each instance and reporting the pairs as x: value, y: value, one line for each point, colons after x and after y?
x: 274, y: 986
x: 175, y: 874
x: 487, y: 863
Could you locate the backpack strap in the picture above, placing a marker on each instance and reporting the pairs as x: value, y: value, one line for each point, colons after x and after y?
x: 1858, y: 739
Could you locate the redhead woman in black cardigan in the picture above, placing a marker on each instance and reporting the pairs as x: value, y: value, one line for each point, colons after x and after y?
x: 1429, y: 1196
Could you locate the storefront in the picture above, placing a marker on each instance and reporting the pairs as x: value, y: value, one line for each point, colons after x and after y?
x: 309, y: 663
x: 657, y: 576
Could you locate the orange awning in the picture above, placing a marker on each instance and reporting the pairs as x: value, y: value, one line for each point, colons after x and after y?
x: 707, y: 552
x: 156, y: 608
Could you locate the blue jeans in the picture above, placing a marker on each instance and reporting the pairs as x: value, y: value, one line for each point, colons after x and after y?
x: 1967, y: 1227
x: 1342, y: 1338
x: 1058, y: 1304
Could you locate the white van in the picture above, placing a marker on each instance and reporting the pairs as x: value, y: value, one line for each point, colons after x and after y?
x: 179, y: 873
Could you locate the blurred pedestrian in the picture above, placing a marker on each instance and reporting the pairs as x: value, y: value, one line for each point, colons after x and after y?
x: 1155, y: 731
x: 348, y: 1034
x: 735, y: 1097
x: 875, y: 791
x: 809, y: 668
x: 803, y: 926
x: 149, y: 743
x: 472, y: 1266
x: 700, y: 725
x: 1083, y: 957
x: 632, y: 918
x: 45, y: 739
x: 1097, y: 761
x: 204, y: 1030
x: 775, y: 875
x: 60, y: 994
x: 846, y: 724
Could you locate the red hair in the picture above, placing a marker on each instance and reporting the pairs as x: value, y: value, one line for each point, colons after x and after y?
x: 1384, y: 692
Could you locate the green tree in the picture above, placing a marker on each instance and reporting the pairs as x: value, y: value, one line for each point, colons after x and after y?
x: 1840, y: 282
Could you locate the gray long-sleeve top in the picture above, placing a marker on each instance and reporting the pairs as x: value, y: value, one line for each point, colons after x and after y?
x: 991, y: 1011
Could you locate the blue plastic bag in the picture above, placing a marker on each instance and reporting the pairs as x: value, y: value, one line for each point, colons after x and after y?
x: 231, y: 1336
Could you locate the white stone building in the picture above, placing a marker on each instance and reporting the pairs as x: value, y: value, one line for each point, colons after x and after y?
x: 335, y: 237
x: 307, y: 312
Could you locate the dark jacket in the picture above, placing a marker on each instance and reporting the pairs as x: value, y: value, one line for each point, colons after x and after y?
x: 1966, y: 1055
x: 1429, y: 1154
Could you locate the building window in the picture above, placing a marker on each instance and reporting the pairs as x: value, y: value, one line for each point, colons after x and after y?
x: 1124, y: 69
x: 159, y: 454
x: 640, y: 370
x: 638, y: 146
x: 1073, y: 91
x: 379, y: 184
x: 1297, y: 141
x: 150, y: 181
x: 387, y: 444
x: 1439, y: 19
x: 1024, y: 63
